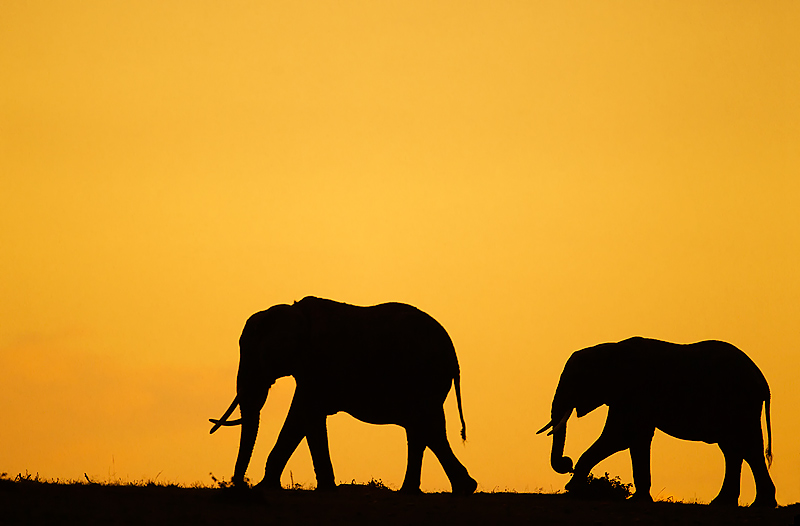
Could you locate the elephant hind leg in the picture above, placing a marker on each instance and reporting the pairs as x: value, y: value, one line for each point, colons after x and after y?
x: 640, y: 464
x: 765, y: 488
x: 434, y: 431
x: 729, y: 493
x: 416, y: 449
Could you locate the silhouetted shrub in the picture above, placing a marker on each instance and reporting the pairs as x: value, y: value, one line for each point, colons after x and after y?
x: 602, y: 488
x: 376, y: 484
x: 222, y: 483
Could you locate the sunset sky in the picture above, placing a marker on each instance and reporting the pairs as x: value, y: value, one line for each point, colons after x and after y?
x: 538, y: 176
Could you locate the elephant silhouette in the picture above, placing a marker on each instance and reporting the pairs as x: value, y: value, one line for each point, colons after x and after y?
x: 708, y: 391
x: 384, y: 364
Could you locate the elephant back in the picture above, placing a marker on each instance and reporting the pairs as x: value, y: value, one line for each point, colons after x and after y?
x: 377, y: 351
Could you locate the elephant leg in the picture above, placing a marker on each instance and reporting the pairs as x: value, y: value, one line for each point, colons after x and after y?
x: 616, y: 436
x: 754, y: 456
x: 640, y: 464
x: 729, y: 493
x: 436, y: 439
x: 765, y: 488
x: 416, y: 448
x: 317, y: 438
x: 291, y: 434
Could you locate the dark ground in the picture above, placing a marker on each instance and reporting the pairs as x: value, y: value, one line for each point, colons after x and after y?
x: 35, y: 503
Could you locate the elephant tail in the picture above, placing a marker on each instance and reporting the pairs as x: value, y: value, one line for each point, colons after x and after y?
x: 457, y: 383
x: 768, y: 451
x: 224, y: 420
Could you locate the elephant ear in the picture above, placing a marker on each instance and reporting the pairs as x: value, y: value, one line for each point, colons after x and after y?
x: 590, y: 378
x: 271, y: 340
x: 583, y: 409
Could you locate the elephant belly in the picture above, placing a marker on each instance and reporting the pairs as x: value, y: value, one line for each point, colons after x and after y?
x: 377, y: 418
x: 704, y: 423
x: 684, y: 432
x: 381, y: 399
x: 389, y: 406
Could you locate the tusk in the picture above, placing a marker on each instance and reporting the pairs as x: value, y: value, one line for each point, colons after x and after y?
x: 545, y: 428
x: 218, y: 423
x: 560, y: 424
x: 223, y: 421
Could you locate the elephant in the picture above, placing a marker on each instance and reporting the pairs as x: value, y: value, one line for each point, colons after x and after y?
x: 384, y: 364
x: 707, y: 391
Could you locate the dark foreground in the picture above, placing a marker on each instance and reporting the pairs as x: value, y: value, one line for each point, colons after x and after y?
x: 42, y: 503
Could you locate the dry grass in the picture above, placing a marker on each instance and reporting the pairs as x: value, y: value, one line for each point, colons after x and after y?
x: 26, y: 499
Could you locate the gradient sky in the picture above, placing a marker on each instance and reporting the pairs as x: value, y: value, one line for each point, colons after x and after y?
x: 538, y: 176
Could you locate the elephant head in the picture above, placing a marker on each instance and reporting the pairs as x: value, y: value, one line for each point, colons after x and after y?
x: 578, y: 389
x: 269, y: 349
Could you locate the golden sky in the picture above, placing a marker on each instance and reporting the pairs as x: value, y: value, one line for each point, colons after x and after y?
x: 538, y: 176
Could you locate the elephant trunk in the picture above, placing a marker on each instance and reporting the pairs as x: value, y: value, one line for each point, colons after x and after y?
x: 558, y: 461
x: 250, y: 421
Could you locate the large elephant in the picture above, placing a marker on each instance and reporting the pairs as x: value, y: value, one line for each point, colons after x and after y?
x: 385, y: 364
x: 708, y: 391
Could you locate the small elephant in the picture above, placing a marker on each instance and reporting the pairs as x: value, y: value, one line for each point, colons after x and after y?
x: 708, y: 391
x: 385, y: 364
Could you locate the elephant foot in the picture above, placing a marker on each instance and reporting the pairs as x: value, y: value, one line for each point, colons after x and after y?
x: 465, y: 487
x: 410, y: 490
x: 576, y: 484
x: 268, y: 485
x: 765, y: 502
x: 326, y: 486
x: 239, y: 484
x: 725, y: 501
x: 641, y: 496
x: 241, y: 494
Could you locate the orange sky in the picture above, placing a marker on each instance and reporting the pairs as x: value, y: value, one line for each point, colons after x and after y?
x: 538, y: 176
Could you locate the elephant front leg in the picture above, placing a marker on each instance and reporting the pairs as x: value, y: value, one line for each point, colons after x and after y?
x: 317, y: 438
x: 640, y: 463
x: 603, y: 448
x: 614, y: 438
x: 292, y: 433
